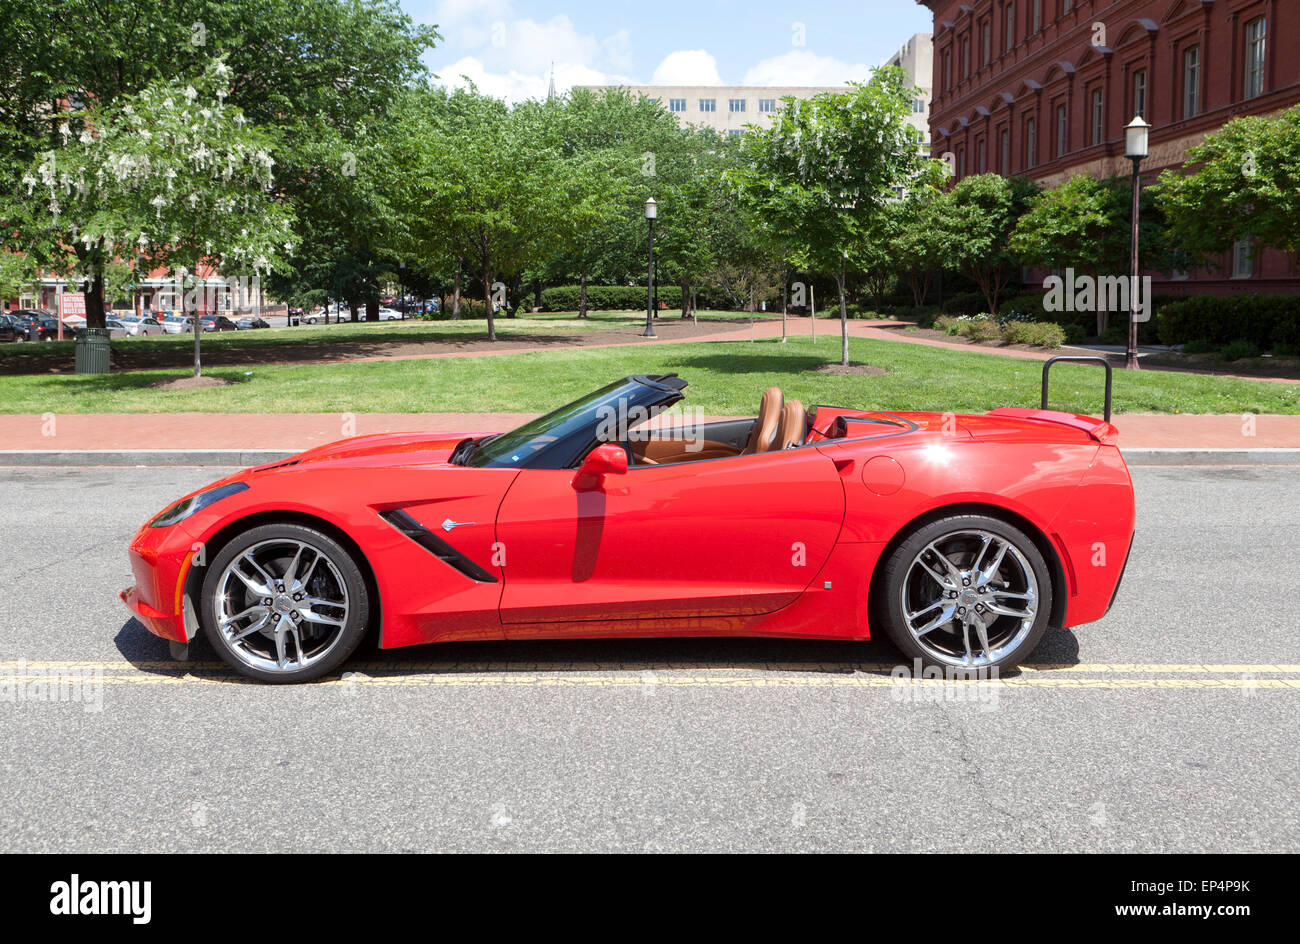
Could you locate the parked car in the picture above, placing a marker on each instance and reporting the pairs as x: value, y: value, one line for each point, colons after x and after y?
x: 217, y: 323
x: 967, y: 565
x: 8, y: 328
x: 116, y: 329
x: 175, y: 324
x: 249, y: 322
x: 141, y: 325
x: 37, y: 325
x: 389, y: 314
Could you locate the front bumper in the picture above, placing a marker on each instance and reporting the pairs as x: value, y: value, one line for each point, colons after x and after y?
x: 161, y: 559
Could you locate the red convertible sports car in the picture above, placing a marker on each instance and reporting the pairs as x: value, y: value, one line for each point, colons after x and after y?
x: 963, y: 537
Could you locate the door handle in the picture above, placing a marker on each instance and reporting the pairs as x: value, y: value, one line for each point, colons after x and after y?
x: 448, y: 524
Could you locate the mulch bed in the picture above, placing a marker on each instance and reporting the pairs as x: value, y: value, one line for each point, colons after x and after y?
x: 190, y: 383
x: 852, y: 369
x: 124, y: 358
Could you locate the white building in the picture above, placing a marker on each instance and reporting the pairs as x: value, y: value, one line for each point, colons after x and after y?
x: 724, y: 108
x: 916, y: 58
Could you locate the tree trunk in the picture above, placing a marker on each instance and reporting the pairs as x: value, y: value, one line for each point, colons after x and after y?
x: 785, y: 283
x: 844, y: 317
x: 198, y: 330
x: 582, y: 294
x: 372, y: 309
x: 352, y: 309
x: 455, y: 295
x: 96, y: 316
x: 487, y: 300
x: 686, y: 297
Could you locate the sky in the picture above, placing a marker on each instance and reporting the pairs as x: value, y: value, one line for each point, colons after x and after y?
x: 507, y: 47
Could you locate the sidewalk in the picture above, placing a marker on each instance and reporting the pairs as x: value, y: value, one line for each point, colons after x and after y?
x: 297, y: 431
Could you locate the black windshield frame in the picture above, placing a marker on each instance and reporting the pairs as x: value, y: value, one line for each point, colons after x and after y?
x: 561, y: 438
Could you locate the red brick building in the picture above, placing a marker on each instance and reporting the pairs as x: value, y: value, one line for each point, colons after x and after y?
x: 1044, y: 88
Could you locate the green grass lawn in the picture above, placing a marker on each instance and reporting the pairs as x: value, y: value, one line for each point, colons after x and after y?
x: 725, y: 377
x: 468, y: 329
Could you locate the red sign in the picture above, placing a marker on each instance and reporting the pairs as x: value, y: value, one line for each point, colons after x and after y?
x: 70, y: 303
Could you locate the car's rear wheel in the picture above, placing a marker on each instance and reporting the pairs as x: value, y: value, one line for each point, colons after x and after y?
x: 968, y: 591
x: 284, y: 603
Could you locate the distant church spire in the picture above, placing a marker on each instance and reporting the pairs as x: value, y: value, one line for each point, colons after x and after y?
x: 550, y: 89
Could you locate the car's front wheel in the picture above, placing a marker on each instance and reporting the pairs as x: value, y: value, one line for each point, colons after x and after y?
x: 969, y: 592
x: 284, y: 603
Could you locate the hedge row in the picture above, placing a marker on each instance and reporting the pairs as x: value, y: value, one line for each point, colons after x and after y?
x: 1266, y: 321
x: 608, y: 297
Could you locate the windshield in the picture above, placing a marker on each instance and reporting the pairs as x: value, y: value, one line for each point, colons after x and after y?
x: 561, y: 437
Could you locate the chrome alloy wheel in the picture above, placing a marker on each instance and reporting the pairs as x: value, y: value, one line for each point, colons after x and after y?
x: 966, y: 584
x: 281, y: 605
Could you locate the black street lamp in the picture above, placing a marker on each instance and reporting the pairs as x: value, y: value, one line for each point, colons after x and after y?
x: 651, y: 212
x: 1136, y: 146
x: 401, y: 284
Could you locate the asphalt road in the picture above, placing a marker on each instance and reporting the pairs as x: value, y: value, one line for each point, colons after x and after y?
x: 1169, y: 726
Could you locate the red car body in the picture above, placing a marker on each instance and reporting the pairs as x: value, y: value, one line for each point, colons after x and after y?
x: 784, y: 543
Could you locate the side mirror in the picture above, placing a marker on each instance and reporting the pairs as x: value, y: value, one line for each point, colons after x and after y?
x: 608, y: 459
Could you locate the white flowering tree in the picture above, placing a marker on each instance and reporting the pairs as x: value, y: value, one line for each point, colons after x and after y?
x: 173, y: 176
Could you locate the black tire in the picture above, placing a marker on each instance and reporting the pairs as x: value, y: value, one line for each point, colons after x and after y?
x: 958, y: 537
x: 345, y: 574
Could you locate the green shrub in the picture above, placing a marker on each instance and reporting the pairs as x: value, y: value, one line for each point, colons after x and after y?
x: 609, y: 297
x: 1199, y: 346
x: 981, y: 328
x: 1263, y: 320
x: 1240, y: 350
x: 946, y: 323
x: 1075, y: 333
x: 1038, y: 333
x: 964, y: 303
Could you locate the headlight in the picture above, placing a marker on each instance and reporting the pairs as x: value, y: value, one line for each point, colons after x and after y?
x: 187, y: 506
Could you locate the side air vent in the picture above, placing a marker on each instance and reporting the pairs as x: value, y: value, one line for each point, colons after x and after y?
x: 436, y: 546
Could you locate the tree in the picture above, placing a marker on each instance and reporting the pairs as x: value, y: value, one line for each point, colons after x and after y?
x: 325, y: 69
x: 918, y: 246
x: 1246, y: 186
x: 979, y: 215
x: 1086, y: 224
x: 482, y: 188
x: 173, y: 176
x: 826, y: 169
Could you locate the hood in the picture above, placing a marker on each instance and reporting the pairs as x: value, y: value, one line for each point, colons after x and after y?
x: 379, y: 449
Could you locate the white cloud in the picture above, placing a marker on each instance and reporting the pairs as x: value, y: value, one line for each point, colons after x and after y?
x: 511, y: 57
x: 803, y: 67
x: 516, y: 86
x: 687, y: 67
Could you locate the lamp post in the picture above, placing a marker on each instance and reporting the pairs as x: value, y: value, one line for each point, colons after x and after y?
x: 1136, y: 145
x: 401, y: 285
x: 651, y: 213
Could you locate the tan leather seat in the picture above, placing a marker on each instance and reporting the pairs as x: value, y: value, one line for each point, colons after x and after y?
x: 766, y: 426
x: 794, y: 426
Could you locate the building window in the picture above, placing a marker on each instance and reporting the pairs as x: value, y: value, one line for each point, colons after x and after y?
x: 735, y: 104
x: 961, y: 162
x: 1062, y: 130
x: 981, y: 156
x: 1031, y: 142
x: 1011, y: 26
x: 734, y: 132
x: 676, y: 104
x: 1255, y: 31
x: 708, y: 104
x: 918, y: 106
x: 1097, y: 116
x: 1140, y: 92
x: 947, y: 70
x: 1065, y: 6
x: 1243, y: 266
x: 987, y: 28
x: 1004, y: 159
x: 1191, y: 82
x: 766, y: 105
x: 965, y: 57
x: 1038, y: 15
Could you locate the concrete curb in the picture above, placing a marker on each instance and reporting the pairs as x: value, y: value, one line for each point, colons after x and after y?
x: 242, y: 458
x: 237, y: 458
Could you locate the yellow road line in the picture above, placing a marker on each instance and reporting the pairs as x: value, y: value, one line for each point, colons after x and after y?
x: 593, y: 680
x: 811, y: 667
